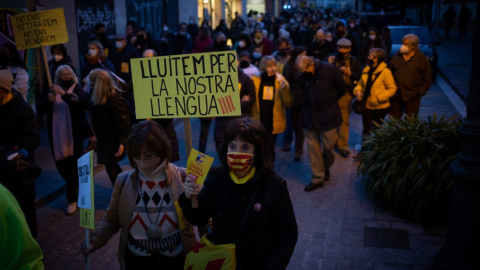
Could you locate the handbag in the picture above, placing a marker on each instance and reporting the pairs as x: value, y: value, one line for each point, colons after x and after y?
x: 206, y: 255
x: 358, y: 106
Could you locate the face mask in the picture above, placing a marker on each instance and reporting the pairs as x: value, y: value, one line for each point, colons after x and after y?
x: 341, y: 33
x: 165, y: 29
x: 257, y: 55
x: 239, y: 162
x: 329, y: 39
x: 282, y: 53
x: 191, y: 22
x: 92, y: 52
x: 404, y: 49
x: 140, y: 38
x: 119, y: 44
x: 372, y: 37
x: 244, y: 64
x: 241, y: 44
x: 307, y: 75
x: 102, y: 35
x: 352, y: 25
x: 67, y: 84
x: 182, y: 33
x: 292, y: 21
x: 57, y: 57
x: 147, y: 165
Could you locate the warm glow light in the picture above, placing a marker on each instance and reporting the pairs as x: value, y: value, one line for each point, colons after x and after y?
x: 205, y: 1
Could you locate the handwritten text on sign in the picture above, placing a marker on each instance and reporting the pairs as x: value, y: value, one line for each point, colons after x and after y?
x: 188, y: 85
x: 42, y: 28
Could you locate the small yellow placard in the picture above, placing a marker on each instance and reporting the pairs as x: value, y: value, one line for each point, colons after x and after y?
x: 42, y: 28
x: 187, y: 85
x: 198, y: 165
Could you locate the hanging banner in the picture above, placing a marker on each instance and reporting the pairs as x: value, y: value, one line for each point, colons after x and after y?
x: 187, y: 85
x: 42, y: 28
x: 85, y: 191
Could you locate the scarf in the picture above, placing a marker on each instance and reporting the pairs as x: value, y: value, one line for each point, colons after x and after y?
x: 62, y: 134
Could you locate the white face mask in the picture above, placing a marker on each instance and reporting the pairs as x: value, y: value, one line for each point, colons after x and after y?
x: 57, y: 57
x: 352, y: 25
x: 165, y: 29
x: 404, y: 49
x: 372, y: 37
x: 241, y: 43
x: 329, y: 39
x: 119, y: 44
x: 257, y: 55
x: 92, y: 52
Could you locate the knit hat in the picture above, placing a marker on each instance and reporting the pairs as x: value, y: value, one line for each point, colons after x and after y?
x: 344, y: 42
x: 6, y: 79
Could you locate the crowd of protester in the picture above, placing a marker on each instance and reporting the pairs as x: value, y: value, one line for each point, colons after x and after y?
x: 299, y: 73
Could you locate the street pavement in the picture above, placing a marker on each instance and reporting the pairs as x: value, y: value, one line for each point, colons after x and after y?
x: 335, y: 222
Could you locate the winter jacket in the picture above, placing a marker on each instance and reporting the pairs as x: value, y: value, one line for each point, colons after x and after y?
x: 413, y: 76
x: 111, y: 123
x: 383, y: 88
x: 270, y: 232
x: 283, y: 99
x: 320, y: 97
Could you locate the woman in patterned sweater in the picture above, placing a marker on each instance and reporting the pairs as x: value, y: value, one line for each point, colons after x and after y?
x: 143, y: 206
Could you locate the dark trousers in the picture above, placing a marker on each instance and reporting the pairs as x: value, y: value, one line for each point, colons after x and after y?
x: 25, y: 195
x: 204, y: 129
x: 113, y: 170
x: 398, y: 106
x: 155, y: 261
x: 69, y: 171
x: 368, y: 119
x: 272, y: 138
x: 294, y: 125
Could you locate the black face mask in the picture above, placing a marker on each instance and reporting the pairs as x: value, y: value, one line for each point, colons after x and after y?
x: 244, y: 64
x: 221, y: 44
x: 140, y: 38
x: 102, y: 35
x: 340, y: 33
x: 66, y: 84
x: 282, y: 53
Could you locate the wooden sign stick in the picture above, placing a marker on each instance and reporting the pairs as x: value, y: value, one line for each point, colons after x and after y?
x: 188, y: 143
x: 47, y: 69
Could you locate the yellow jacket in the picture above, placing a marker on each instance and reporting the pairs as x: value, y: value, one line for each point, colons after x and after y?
x: 382, y: 89
x: 283, y: 99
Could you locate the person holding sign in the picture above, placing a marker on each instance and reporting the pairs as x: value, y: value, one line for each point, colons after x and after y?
x: 68, y: 127
x: 143, y: 206
x: 246, y: 177
x: 110, y: 121
x: 273, y: 94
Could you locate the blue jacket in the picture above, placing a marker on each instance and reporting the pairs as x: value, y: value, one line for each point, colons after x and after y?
x: 320, y: 97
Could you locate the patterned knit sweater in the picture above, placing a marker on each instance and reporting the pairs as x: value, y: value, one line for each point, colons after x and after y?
x: 154, y: 196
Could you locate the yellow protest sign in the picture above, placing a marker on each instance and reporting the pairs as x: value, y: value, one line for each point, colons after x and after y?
x: 198, y: 165
x: 85, y: 191
x: 42, y: 28
x: 187, y: 85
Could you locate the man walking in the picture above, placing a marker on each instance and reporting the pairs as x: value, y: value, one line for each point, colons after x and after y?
x: 412, y: 73
x: 322, y: 86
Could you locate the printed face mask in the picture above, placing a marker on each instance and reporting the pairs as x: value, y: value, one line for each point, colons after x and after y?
x: 239, y: 162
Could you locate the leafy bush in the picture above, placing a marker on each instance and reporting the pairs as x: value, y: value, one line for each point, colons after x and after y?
x: 406, y: 167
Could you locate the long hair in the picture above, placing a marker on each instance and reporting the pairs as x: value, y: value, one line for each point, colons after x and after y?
x: 99, y: 46
x: 147, y: 136
x: 251, y: 131
x: 59, y: 70
x: 102, y: 86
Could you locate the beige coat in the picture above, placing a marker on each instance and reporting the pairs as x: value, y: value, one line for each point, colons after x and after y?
x: 382, y: 89
x: 119, y: 212
x: 283, y: 99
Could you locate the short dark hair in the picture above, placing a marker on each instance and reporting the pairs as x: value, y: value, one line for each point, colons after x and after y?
x: 251, y: 131
x: 59, y: 47
x: 98, y: 26
x: 146, y: 136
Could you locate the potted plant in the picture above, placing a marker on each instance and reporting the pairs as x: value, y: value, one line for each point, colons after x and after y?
x: 406, y: 166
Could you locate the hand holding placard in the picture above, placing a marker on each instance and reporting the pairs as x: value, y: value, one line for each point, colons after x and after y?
x: 198, y: 165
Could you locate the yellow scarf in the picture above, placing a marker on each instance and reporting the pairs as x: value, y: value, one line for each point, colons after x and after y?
x: 6, y: 99
x: 242, y: 180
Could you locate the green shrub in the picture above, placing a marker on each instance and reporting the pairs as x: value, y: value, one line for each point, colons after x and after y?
x: 406, y: 167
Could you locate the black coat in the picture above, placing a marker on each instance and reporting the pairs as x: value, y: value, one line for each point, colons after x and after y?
x: 269, y: 235
x: 111, y: 123
x: 320, y: 97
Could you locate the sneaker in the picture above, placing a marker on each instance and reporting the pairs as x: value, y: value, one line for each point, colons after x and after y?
x: 312, y: 187
x: 72, y: 208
